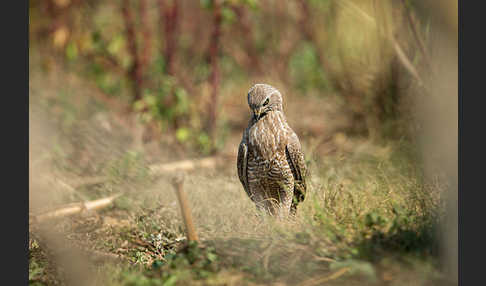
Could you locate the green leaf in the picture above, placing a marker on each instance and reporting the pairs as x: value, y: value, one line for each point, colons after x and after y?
x: 150, y: 100
x: 71, y: 51
x: 139, y: 105
x: 206, y: 4
x: 204, y: 142
x: 116, y: 45
x: 253, y: 4
x: 182, y: 134
x: 212, y: 257
x: 228, y: 15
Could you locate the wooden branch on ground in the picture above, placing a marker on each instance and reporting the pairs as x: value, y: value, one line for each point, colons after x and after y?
x: 184, y: 165
x: 155, y: 170
x: 75, y: 208
x: 178, y: 182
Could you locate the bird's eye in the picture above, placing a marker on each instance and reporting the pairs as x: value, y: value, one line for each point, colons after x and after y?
x: 266, y: 102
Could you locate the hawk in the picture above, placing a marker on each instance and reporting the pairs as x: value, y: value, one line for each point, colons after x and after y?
x: 270, y: 161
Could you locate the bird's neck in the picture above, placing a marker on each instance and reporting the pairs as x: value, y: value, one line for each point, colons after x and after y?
x: 272, y: 117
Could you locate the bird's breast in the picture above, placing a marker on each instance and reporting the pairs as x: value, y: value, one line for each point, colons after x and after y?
x: 267, y: 137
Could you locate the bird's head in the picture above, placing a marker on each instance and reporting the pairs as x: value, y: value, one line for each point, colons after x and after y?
x: 263, y: 98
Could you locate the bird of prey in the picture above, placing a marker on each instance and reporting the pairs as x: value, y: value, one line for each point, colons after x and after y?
x: 270, y: 161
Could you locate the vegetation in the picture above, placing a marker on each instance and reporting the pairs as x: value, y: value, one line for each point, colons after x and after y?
x: 118, y: 87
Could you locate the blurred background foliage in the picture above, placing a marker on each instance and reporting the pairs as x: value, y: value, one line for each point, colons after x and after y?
x: 169, y: 62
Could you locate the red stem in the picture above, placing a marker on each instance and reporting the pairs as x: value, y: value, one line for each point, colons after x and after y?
x: 170, y: 18
x: 215, y: 76
x: 135, y: 71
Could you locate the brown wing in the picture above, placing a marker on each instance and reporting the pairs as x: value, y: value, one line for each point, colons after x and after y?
x: 241, y: 164
x: 295, y: 158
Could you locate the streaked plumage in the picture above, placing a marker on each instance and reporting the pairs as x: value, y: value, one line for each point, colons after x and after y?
x: 270, y: 162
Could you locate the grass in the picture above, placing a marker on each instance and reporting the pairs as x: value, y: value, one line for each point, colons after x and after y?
x: 370, y: 216
x: 363, y: 213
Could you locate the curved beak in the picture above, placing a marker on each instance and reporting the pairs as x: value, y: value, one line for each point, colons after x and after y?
x: 257, y: 112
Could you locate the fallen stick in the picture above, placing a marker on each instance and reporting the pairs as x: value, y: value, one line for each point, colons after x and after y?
x: 76, y: 208
x: 178, y: 182
x: 184, y: 165
x: 155, y: 169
